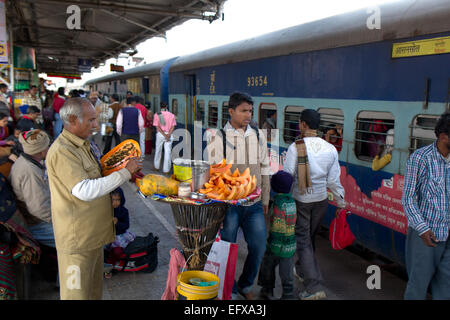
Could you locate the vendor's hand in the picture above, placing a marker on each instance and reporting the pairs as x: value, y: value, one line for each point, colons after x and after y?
x: 266, y: 210
x: 115, y: 220
x: 429, y: 238
x: 10, y: 143
x: 134, y: 165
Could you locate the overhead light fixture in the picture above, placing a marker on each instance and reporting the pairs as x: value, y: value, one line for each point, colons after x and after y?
x: 131, y: 52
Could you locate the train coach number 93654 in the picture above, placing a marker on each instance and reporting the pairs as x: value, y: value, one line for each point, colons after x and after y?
x: 257, y: 81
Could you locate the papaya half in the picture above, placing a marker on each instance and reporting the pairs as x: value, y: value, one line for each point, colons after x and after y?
x: 118, y: 157
x: 155, y: 183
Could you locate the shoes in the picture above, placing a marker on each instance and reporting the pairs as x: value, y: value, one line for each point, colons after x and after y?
x: 288, y: 296
x: 248, y: 296
x: 300, y: 278
x: 267, y: 294
x: 319, y: 295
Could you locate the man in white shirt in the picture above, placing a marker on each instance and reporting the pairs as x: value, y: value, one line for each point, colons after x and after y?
x: 315, y: 165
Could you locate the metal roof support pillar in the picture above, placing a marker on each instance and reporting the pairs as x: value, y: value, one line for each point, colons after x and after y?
x: 11, y: 64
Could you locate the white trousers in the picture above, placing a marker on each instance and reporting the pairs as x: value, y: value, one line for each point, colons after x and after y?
x: 142, y: 143
x: 160, y: 143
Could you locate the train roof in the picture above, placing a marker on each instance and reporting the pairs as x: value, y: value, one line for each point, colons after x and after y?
x: 399, y: 20
x: 144, y: 70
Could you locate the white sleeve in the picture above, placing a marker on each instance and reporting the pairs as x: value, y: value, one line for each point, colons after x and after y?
x: 290, y: 164
x: 334, y: 181
x: 90, y: 189
x: 141, y: 122
x: 119, y: 121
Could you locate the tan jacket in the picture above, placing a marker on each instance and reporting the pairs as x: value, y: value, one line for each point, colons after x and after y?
x: 247, y: 154
x: 32, y: 191
x: 79, y: 226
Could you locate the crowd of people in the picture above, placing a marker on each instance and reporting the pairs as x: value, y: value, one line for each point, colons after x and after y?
x: 50, y: 167
x: 67, y: 204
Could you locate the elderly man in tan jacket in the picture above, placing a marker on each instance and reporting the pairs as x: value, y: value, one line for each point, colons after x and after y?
x: 30, y: 184
x: 247, y: 148
x: 82, y: 212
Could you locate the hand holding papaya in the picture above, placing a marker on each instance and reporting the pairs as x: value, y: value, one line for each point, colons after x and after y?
x: 134, y: 165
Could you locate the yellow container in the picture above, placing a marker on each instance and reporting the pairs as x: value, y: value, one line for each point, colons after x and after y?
x: 182, y: 170
x: 188, y: 291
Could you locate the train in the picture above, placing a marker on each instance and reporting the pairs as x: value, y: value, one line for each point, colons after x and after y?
x: 356, y: 76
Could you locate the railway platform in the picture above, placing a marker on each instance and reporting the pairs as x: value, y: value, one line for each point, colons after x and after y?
x: 345, y: 273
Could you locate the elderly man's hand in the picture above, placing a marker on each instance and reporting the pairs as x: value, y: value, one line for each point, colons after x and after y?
x: 134, y: 165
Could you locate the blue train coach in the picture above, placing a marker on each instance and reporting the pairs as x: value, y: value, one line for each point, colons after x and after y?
x: 360, y: 78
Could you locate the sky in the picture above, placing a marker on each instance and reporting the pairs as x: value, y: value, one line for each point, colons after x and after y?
x: 243, y: 19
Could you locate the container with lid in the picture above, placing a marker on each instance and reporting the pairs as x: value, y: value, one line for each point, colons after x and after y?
x: 184, y: 190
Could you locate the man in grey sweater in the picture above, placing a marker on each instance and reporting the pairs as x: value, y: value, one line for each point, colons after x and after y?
x: 30, y: 184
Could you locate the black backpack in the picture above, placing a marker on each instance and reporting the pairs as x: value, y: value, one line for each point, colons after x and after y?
x: 140, y: 255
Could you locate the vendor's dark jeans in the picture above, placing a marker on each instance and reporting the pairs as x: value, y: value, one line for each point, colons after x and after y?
x: 251, y: 220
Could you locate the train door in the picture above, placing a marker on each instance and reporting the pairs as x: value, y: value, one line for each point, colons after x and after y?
x: 190, y: 111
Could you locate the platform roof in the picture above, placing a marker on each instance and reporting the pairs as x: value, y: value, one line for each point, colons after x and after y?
x: 107, y: 28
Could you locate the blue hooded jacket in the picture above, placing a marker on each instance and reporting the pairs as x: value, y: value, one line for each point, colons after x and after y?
x: 121, y: 213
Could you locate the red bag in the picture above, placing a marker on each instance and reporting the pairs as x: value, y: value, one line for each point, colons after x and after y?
x: 340, y: 234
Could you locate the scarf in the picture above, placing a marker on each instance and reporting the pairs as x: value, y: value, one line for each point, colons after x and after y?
x: 162, y: 121
x: 303, y: 172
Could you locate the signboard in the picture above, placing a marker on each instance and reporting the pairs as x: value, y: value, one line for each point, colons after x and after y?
x: 117, y: 68
x: 421, y: 47
x: 64, y: 75
x: 84, y: 65
x: 3, y: 35
x: 24, y: 58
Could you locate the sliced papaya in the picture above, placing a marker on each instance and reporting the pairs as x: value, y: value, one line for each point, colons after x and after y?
x: 248, y: 188
x: 232, y: 194
x: 220, y: 170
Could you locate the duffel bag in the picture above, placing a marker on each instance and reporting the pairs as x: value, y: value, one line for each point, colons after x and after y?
x: 139, y: 255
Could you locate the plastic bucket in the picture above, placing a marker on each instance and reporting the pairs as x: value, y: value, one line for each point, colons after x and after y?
x: 182, y: 170
x: 187, y: 291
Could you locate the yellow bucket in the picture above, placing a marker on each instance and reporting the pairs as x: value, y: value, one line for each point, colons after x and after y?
x: 188, y: 291
x: 182, y: 170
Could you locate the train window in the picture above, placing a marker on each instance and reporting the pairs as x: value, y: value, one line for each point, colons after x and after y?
x: 265, y: 109
x: 291, y: 123
x: 371, y: 130
x: 422, y: 131
x: 212, y: 114
x: 225, y: 113
x: 175, y: 107
x: 332, y: 125
x: 268, y: 118
x: 199, y: 115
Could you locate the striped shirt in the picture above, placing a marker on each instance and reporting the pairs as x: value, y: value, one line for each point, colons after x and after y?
x: 426, y: 192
